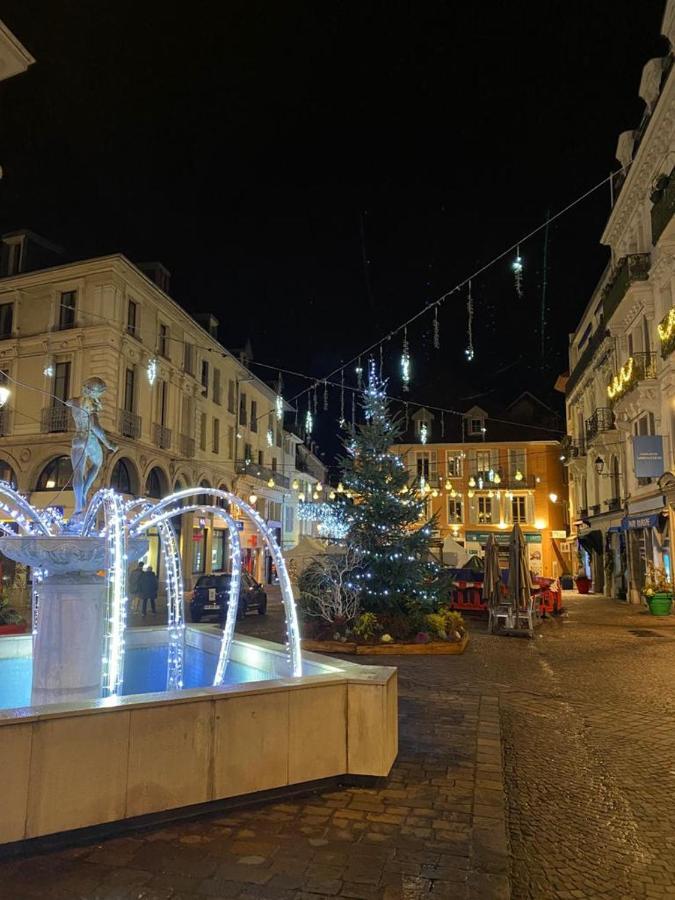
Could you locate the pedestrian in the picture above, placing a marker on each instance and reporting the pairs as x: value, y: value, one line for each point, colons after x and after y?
x: 134, y: 586
x: 149, y: 590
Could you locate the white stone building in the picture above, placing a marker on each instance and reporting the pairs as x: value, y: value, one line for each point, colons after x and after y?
x: 14, y: 58
x: 204, y: 418
x: 621, y: 387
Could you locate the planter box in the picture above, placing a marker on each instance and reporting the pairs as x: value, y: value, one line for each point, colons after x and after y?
x: 660, y: 604
x: 14, y: 629
x: 394, y: 649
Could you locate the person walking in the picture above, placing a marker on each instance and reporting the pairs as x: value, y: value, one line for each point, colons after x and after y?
x: 134, y: 587
x: 149, y: 590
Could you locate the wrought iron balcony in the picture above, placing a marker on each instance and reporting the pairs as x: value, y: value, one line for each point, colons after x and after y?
x: 663, y: 200
x: 595, y: 509
x: 161, y: 436
x: 186, y: 445
x: 262, y: 473
x: 582, y: 512
x: 56, y: 418
x: 614, y: 504
x: 572, y: 448
x: 644, y: 365
x: 631, y: 268
x: 602, y: 420
x: 129, y: 424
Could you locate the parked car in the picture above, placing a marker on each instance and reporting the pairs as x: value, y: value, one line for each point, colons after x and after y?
x: 211, y: 596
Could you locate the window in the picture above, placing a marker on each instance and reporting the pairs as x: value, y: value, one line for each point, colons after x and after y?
x: 7, y: 473
x: 517, y: 461
x: 14, y: 257
x: 216, y: 386
x: 121, y: 478
x: 248, y: 453
x: 230, y: 442
x: 205, y: 377
x: 155, y: 485
x: 230, y: 396
x: 483, y: 463
x: 518, y: 509
x: 187, y: 419
x: 66, y: 316
x: 132, y: 318
x: 162, y: 401
x: 254, y: 415
x: 279, y: 439
x: 199, y: 544
x: 55, y: 475
x: 261, y: 458
x: 242, y: 409
x: 189, y: 359
x: 454, y: 510
x: 274, y: 511
x: 454, y: 465
x: 6, y: 318
x: 61, y: 383
x: 163, y: 341
x: 216, y: 436
x: 274, y: 464
x: 476, y: 425
x: 425, y: 464
x: 218, y: 545
x: 202, y: 432
x: 130, y: 389
x: 485, y: 510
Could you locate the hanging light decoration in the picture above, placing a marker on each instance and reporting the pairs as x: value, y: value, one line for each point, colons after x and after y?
x: 470, y: 494
x: 340, y: 488
x: 342, y: 421
x: 252, y: 499
x: 301, y: 497
x: 437, y: 330
x: 270, y: 437
x: 319, y: 487
x: 325, y: 396
x: 270, y: 483
x: 359, y: 373
x: 498, y: 478
x: 453, y: 493
x: 434, y: 493
x: 517, y: 268
x: 405, y: 362
x: 309, y: 421
x: 448, y: 484
x: 279, y: 401
x: 151, y: 370
x: 424, y: 432
x: 315, y: 495
x: 518, y: 475
x: 5, y: 394
x: 472, y: 482
x: 296, y: 484
x: 469, y: 327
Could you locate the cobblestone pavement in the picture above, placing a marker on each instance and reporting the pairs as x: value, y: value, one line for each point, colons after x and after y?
x: 588, y: 734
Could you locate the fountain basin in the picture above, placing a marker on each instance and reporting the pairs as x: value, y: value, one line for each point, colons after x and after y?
x: 64, y: 553
x: 83, y: 764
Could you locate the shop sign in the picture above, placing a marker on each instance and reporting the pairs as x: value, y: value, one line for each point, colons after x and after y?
x: 502, y: 537
x: 197, y: 535
x: 240, y: 524
x: 643, y: 521
x: 648, y: 455
x: 559, y: 535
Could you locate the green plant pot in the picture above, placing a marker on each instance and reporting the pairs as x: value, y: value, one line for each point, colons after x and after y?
x: 660, y: 604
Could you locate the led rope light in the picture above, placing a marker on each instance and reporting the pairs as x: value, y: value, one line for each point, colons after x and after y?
x: 618, y: 384
x: 116, y: 618
x: 175, y: 606
x: 666, y: 330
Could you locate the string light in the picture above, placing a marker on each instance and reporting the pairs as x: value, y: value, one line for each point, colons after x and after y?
x: 424, y: 432
x: 436, y: 330
x: 405, y: 363
x: 469, y: 353
x: 517, y: 268
x: 151, y: 370
x: 620, y: 382
x: 309, y: 421
x: 279, y: 401
x: 270, y: 437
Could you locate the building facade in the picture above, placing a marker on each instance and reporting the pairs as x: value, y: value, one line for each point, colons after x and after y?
x: 486, y: 480
x: 181, y: 409
x: 620, y: 393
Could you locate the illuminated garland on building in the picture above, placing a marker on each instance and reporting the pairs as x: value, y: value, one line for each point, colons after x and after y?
x: 621, y: 382
x: 331, y: 519
x: 666, y: 330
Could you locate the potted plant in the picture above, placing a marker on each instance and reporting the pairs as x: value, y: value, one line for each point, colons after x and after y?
x: 583, y: 582
x: 10, y: 620
x: 658, y: 591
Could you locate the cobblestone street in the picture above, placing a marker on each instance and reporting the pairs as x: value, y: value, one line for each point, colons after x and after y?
x: 587, y: 735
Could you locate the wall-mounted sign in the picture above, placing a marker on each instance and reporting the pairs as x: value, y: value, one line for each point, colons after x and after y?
x: 502, y: 537
x: 559, y: 535
x: 648, y: 455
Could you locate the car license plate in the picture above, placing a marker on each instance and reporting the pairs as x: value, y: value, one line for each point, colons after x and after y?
x: 212, y: 595
x: 210, y: 606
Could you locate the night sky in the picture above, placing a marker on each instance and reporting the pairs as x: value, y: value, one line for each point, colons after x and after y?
x: 258, y: 149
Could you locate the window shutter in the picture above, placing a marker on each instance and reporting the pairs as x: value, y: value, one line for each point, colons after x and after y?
x: 433, y: 469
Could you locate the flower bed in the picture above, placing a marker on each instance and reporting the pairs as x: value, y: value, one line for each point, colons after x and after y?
x: 401, y: 648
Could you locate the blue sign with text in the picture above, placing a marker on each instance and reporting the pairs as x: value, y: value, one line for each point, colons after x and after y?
x: 648, y: 455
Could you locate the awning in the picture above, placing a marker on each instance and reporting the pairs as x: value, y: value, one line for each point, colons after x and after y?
x: 651, y: 520
x: 591, y: 541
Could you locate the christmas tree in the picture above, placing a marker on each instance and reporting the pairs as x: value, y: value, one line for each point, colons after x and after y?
x: 385, y: 514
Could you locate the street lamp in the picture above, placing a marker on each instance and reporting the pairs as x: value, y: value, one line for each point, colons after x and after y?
x: 599, y: 464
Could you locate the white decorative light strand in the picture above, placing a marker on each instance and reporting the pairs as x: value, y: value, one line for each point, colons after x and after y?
x: 112, y: 677
x: 342, y: 398
x: 517, y: 267
x: 437, y: 330
x: 325, y: 396
x: 405, y: 363
x: 279, y: 401
x: 469, y: 352
x: 151, y: 370
x: 175, y: 605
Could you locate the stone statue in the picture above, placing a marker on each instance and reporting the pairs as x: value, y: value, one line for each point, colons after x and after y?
x: 86, y: 453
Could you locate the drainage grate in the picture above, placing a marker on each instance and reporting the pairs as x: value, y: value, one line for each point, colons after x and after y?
x: 644, y: 632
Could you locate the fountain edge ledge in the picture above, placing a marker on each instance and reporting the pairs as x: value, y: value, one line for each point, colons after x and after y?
x: 80, y: 765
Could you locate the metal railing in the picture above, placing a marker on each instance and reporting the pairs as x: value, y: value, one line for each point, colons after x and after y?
x: 56, y: 418
x: 595, y: 509
x: 186, y: 446
x: 161, y: 436
x: 631, y: 268
x: 601, y: 420
x: 644, y: 365
x: 262, y: 473
x: 614, y: 504
x: 129, y: 424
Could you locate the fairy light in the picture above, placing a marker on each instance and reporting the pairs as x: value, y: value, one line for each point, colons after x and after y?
x: 620, y: 382
x: 151, y: 370
x: 424, y: 432
x: 405, y: 363
x: 270, y: 437
x: 309, y: 421
x: 469, y: 352
x: 175, y: 605
x: 279, y: 407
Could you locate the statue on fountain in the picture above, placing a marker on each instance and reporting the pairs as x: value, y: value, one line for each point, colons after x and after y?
x: 86, y: 453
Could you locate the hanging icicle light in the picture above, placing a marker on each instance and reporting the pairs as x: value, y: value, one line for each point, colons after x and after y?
x: 252, y: 499
x: 270, y: 437
x: 405, y: 363
x: 279, y: 407
x: 309, y: 421
x: 424, y: 432
x: 469, y: 327
x: 5, y: 394
x: 437, y: 330
x: 342, y: 421
x: 517, y: 268
x: 151, y: 370
x: 359, y: 373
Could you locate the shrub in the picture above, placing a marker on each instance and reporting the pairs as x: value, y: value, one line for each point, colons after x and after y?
x: 437, y: 625
x: 422, y: 637
x: 366, y: 626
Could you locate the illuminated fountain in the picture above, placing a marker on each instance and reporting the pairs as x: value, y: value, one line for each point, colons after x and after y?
x: 283, y: 718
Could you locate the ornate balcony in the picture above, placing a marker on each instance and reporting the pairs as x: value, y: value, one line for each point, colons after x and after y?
x: 585, y: 359
x: 602, y: 420
x: 572, y: 448
x: 614, y: 504
x: 262, y: 473
x: 56, y: 418
x: 638, y: 367
x: 631, y: 268
x: 161, y: 436
x: 186, y: 445
x: 595, y: 509
x: 129, y: 424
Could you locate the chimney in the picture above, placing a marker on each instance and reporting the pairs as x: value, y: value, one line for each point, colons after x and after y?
x: 208, y: 322
x: 158, y: 273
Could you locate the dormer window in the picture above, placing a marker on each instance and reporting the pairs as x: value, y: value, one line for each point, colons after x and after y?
x: 476, y: 425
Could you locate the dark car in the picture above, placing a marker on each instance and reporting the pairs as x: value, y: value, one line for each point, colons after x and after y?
x: 211, y: 596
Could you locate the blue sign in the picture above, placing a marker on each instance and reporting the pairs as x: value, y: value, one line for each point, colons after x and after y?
x: 648, y: 455
x: 240, y: 524
x: 651, y: 520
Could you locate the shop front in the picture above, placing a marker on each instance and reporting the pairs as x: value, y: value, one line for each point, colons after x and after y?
x: 476, y: 540
x: 648, y: 542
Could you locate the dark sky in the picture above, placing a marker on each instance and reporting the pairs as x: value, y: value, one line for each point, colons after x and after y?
x: 244, y: 144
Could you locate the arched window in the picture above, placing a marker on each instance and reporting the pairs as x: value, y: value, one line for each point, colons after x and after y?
x: 123, y: 478
x: 221, y: 501
x: 206, y: 499
x: 7, y: 473
x: 155, y: 485
x: 55, y: 475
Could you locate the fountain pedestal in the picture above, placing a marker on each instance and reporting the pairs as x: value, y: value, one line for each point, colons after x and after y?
x: 71, y: 623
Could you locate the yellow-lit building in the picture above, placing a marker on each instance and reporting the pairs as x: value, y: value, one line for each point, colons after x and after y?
x: 484, y: 474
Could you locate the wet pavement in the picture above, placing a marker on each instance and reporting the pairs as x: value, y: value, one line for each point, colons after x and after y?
x: 583, y: 717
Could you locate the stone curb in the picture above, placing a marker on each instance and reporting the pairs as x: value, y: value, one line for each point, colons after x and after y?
x: 490, y: 856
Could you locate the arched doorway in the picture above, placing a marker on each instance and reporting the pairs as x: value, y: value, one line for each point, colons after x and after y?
x: 124, y: 477
x: 56, y: 475
x: 156, y: 485
x: 7, y: 473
